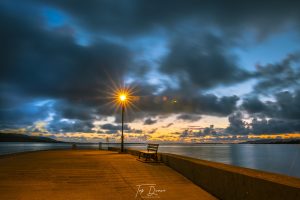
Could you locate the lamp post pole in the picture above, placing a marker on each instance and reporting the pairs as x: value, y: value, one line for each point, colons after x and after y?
x: 122, y: 137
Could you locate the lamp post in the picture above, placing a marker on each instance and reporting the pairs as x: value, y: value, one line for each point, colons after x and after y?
x: 122, y: 99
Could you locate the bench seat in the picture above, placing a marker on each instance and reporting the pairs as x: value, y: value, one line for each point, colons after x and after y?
x: 151, y: 152
x: 148, y: 152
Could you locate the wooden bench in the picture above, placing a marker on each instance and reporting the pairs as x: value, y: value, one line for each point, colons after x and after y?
x: 151, y: 152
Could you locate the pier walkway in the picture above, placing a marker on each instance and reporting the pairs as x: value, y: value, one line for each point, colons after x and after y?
x: 90, y: 174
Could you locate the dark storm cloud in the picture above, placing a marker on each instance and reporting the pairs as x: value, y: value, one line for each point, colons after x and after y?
x: 132, y: 115
x: 131, y: 17
x: 207, y: 131
x: 202, y: 60
x: 192, y: 106
x: 271, y: 126
x: 46, y: 63
x: 68, y: 117
x: 189, y: 117
x: 74, y: 110
x: 236, y: 125
x: 149, y: 121
x: 280, y: 114
x: 178, y: 101
x: 62, y: 126
x: 112, y: 128
x: 16, y: 112
x: 220, y: 106
x: 262, y: 126
x: 39, y: 61
x: 278, y: 76
x: 254, y: 105
x: 136, y: 131
x: 286, y: 105
x: 185, y: 100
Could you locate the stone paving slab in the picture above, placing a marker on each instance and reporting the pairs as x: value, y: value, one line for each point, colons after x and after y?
x: 90, y: 174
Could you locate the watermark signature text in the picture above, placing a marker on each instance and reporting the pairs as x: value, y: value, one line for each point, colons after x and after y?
x: 148, y: 191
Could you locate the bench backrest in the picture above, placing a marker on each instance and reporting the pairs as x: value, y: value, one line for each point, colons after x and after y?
x: 152, y: 147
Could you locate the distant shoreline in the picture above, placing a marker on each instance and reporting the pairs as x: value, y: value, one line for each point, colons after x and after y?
x: 273, y: 141
x: 14, y: 137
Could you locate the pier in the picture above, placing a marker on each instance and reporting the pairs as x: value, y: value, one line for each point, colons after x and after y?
x: 90, y: 174
x: 101, y: 174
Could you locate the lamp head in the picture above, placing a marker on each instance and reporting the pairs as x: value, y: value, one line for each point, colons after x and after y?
x: 122, y: 97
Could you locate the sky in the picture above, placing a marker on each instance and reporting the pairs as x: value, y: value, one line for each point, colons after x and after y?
x: 201, y: 71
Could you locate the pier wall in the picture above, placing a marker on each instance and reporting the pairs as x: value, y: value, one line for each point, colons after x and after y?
x: 230, y: 182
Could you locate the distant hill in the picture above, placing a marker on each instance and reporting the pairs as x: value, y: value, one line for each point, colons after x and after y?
x: 13, y: 137
x: 273, y: 141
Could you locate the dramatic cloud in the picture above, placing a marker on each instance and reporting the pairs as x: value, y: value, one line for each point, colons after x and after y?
x: 22, y: 115
x: 114, y: 127
x: 285, y: 106
x: 203, y: 60
x: 149, y: 121
x: 278, y: 76
x: 132, y: 17
x: 261, y: 126
x: 202, y: 133
x: 70, y: 126
x: 180, y: 101
x: 189, y: 117
x: 184, y: 101
x: 40, y: 63
x: 111, y: 128
x: 288, y: 105
x: 272, y: 126
x: 237, y: 125
x: 74, y: 110
x: 254, y: 105
x: 279, y: 114
x: 59, y: 58
x: 43, y: 63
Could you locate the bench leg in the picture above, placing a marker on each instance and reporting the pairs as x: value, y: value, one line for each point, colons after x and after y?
x: 148, y: 157
x: 142, y: 154
x: 155, y: 157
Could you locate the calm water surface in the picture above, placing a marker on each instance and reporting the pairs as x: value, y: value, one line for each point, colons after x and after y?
x: 278, y: 158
